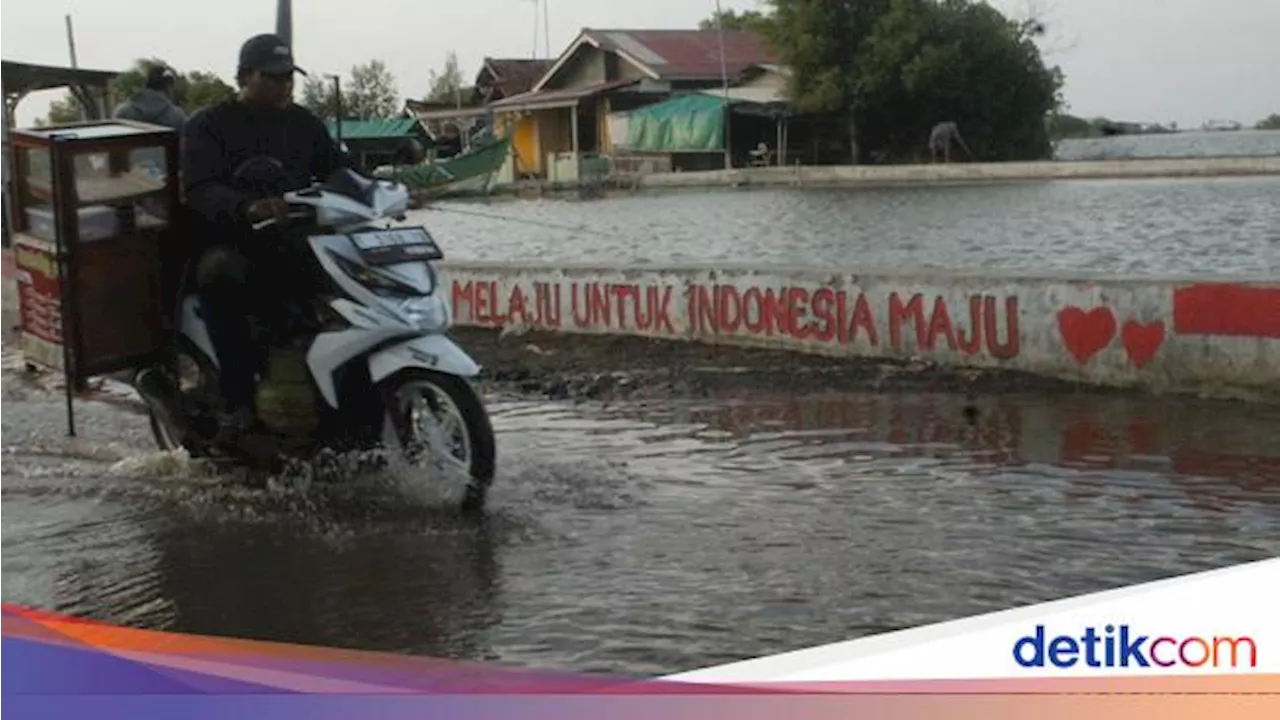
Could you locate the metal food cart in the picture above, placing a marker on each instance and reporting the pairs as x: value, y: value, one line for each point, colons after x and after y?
x: 95, y: 205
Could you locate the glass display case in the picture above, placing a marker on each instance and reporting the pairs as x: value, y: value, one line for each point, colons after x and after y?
x: 94, y: 207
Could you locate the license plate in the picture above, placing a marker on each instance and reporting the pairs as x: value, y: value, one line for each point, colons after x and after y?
x: 396, y: 245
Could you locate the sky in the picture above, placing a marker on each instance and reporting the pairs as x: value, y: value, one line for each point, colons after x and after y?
x: 1184, y: 61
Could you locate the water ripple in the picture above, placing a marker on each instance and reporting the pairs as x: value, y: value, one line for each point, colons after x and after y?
x: 1196, y: 226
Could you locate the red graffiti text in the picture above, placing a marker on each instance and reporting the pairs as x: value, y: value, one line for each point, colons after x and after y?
x: 835, y: 316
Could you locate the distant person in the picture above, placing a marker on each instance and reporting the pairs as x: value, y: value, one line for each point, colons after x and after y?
x: 154, y: 104
x: 941, y: 137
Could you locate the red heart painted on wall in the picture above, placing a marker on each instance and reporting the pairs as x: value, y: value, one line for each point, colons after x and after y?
x: 1142, y: 341
x: 1086, y: 333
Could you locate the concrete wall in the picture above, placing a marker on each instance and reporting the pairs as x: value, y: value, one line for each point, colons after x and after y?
x: 969, y: 172
x: 1217, y: 339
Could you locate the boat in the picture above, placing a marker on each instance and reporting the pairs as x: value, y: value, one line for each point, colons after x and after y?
x: 471, y: 172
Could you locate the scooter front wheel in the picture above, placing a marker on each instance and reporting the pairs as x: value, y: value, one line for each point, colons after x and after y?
x: 441, y: 418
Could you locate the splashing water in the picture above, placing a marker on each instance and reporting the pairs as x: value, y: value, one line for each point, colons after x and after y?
x: 428, y: 483
x: 380, y: 474
x: 176, y: 464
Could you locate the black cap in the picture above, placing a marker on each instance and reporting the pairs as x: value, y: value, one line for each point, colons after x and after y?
x: 160, y: 77
x: 269, y: 54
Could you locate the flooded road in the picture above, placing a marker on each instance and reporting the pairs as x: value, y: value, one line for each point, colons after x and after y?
x: 653, y: 532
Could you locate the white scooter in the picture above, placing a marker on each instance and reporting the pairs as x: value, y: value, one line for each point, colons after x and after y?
x: 364, y: 362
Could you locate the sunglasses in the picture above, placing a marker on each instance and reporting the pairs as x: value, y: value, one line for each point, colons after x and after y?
x: 283, y: 77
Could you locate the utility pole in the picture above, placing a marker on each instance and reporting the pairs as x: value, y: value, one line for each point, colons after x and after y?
x: 546, y: 26
x: 724, y: 78
x: 284, y: 21
x: 71, y: 42
x: 534, y: 54
x: 337, y: 108
x: 82, y: 97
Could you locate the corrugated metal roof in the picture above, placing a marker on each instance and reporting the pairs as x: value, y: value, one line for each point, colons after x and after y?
x: 557, y: 98
x: 449, y: 113
x: 687, y: 54
x: 374, y: 129
x: 27, y: 77
x: 760, y: 95
x: 516, y: 75
x: 635, y: 48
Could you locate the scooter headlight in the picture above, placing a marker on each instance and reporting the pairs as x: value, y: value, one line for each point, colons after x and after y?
x: 425, y: 312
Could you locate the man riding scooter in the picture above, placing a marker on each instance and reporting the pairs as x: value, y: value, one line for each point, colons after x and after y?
x: 232, y: 271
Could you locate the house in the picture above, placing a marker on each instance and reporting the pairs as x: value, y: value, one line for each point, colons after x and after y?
x: 371, y: 143
x: 688, y: 131
x: 448, y: 124
x: 452, y: 123
x: 564, y: 118
x: 500, y: 78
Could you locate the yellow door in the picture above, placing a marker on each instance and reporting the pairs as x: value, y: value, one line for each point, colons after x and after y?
x: 526, y: 145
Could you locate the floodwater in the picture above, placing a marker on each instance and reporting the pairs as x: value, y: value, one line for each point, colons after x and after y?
x: 1200, y: 227
x: 648, y: 538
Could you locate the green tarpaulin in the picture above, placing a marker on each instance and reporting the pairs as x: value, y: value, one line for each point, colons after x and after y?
x: 686, y: 123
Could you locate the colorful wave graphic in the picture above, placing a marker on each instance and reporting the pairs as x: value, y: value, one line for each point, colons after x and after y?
x: 62, y: 666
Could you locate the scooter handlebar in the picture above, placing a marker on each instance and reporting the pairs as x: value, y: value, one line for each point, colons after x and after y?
x: 292, y: 215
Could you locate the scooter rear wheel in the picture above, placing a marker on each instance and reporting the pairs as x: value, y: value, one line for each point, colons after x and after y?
x: 194, y: 376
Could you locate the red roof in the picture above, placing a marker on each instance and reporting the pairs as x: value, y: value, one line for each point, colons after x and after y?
x: 686, y: 54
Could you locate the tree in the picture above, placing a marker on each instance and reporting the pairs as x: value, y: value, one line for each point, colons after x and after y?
x: 927, y: 62
x: 751, y: 20
x: 820, y: 41
x: 1271, y: 122
x: 199, y: 89
x: 65, y: 109
x: 371, y: 93
x: 320, y: 97
x: 446, y: 86
x: 893, y: 68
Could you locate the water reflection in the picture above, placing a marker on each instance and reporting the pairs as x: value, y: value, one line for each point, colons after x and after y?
x: 429, y: 587
x: 1094, y: 438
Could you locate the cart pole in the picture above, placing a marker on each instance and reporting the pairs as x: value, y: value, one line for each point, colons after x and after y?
x: 62, y: 256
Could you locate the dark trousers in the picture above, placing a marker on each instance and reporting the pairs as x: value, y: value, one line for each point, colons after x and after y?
x: 232, y: 291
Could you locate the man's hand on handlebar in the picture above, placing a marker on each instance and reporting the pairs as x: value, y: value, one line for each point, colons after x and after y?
x: 268, y: 209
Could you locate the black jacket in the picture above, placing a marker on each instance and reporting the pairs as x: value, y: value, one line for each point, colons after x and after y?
x: 217, y: 139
